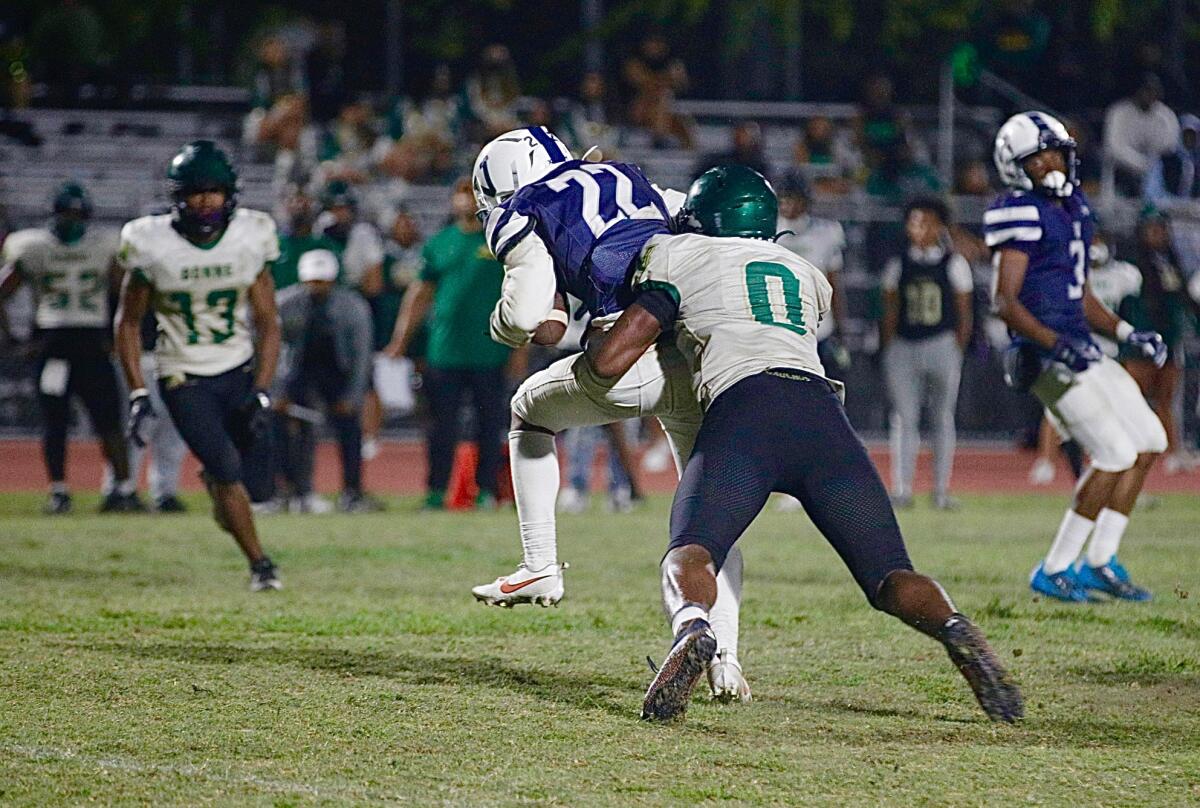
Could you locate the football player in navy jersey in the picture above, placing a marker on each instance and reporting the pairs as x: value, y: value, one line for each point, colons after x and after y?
x: 566, y: 226
x: 1039, y: 232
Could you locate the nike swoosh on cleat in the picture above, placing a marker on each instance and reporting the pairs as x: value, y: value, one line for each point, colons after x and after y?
x: 508, y: 588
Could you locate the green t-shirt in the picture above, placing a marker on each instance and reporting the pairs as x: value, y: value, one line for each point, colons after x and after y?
x: 286, y: 268
x: 468, y: 285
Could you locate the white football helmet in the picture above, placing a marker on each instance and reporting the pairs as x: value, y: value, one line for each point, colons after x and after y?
x: 1028, y: 133
x: 512, y: 161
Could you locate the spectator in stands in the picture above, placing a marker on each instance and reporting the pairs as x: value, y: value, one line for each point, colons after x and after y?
x: 927, y: 306
x: 356, y: 241
x: 1014, y: 39
x: 296, y: 237
x: 880, y: 126
x: 897, y: 176
x: 421, y: 138
x: 1138, y: 130
x: 286, y: 130
x: 1176, y: 175
x: 827, y: 156
x: 973, y: 179
x: 1164, y: 306
x: 655, y: 77
x: 492, y: 92
x: 591, y: 120
x: 384, y: 290
x: 347, y: 145
x: 327, y: 329
x: 745, y: 148
x: 276, y: 73
x: 458, y: 287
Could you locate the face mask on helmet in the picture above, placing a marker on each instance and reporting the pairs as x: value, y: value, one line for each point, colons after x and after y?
x: 199, y: 223
x: 69, y: 228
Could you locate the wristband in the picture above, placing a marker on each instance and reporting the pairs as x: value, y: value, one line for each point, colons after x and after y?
x: 141, y: 392
x: 1123, y: 330
x: 557, y: 316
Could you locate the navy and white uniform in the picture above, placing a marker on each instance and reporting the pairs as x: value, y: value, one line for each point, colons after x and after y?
x: 580, y: 230
x: 1102, y: 407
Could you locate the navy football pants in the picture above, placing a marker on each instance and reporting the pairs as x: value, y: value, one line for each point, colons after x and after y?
x: 785, y: 430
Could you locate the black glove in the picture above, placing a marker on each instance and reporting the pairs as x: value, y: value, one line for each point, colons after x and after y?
x: 1077, y: 354
x: 249, y: 420
x: 140, y: 413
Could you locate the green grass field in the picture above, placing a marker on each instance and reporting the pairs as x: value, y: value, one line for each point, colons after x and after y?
x: 136, y: 668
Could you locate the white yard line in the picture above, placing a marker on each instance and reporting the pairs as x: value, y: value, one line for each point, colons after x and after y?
x: 197, y: 771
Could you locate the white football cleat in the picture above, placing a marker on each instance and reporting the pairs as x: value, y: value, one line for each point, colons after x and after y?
x: 725, y: 679
x: 543, y: 587
x: 1042, y: 472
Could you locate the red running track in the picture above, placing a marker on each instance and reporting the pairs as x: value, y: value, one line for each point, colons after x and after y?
x: 400, y: 469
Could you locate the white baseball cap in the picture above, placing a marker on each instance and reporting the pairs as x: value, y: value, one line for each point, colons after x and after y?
x: 318, y: 265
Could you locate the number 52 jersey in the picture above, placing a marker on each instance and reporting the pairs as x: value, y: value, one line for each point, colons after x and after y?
x: 200, y: 293
x: 744, y: 306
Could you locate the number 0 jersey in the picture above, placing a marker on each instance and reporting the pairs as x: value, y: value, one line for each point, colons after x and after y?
x: 200, y: 293
x: 1056, y: 238
x: 594, y: 219
x: 744, y: 305
x: 70, y: 280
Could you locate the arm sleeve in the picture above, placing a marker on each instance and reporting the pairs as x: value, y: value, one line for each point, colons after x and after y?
x: 505, y: 229
x: 959, y: 270
x: 660, y: 301
x: 526, y: 294
x: 890, y: 281
x: 1014, y: 225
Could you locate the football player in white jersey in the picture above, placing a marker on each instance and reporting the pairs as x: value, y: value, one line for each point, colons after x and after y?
x: 72, y: 270
x: 566, y: 226
x: 746, y: 313
x: 205, y: 269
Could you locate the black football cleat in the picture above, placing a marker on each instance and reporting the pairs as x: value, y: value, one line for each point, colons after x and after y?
x: 669, y: 693
x: 58, y: 504
x: 264, y: 577
x: 170, y: 504
x: 969, y: 651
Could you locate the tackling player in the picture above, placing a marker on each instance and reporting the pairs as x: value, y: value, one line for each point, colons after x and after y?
x: 1040, y: 231
x: 746, y: 312
x: 562, y: 225
x: 72, y: 269
x: 205, y: 269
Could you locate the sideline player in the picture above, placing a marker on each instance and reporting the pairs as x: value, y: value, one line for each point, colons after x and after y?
x: 565, y: 226
x: 72, y: 269
x: 1040, y: 231
x: 746, y: 312
x: 205, y: 268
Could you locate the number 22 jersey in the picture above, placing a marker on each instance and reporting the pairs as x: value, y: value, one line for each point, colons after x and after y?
x: 200, y: 293
x: 1055, y: 235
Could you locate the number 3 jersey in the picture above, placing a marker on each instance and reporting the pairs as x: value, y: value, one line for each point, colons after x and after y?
x: 743, y: 306
x: 594, y: 219
x: 70, y: 280
x: 200, y: 293
x: 1055, y: 235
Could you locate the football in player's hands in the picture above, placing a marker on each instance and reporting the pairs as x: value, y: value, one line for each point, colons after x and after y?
x: 1077, y: 354
x: 1151, y: 344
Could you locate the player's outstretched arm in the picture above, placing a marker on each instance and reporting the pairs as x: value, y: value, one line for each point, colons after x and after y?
x: 127, y: 326
x: 612, y: 354
x: 1010, y: 275
x: 527, y: 294
x: 266, y: 326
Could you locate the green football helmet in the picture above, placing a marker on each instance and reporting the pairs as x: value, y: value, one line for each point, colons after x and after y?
x: 72, y: 208
x: 731, y: 200
x: 201, y: 166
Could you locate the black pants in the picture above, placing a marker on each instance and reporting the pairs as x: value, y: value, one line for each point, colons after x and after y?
x: 446, y: 389
x: 308, y: 390
x: 90, y: 376
x: 201, y: 406
x: 785, y: 430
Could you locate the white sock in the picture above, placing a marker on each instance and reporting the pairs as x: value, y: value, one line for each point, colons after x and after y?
x: 686, y: 615
x: 59, y: 488
x: 723, y: 616
x: 535, y: 485
x: 1072, y: 533
x: 125, y: 487
x: 1106, y: 538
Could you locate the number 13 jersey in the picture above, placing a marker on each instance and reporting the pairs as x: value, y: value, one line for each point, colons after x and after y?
x: 745, y: 305
x: 1056, y: 238
x: 594, y: 219
x: 200, y: 293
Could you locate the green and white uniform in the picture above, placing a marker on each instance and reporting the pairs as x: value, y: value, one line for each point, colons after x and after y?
x: 200, y: 293
x: 745, y: 305
x: 1113, y: 282
x: 70, y: 280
